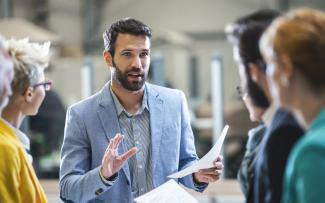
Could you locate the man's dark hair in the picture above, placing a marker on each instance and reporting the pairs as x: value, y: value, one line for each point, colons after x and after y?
x: 245, y: 33
x: 264, y: 16
x: 125, y: 26
x: 249, y: 53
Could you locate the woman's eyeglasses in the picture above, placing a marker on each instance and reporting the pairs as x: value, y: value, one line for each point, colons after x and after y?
x: 47, y: 85
x: 241, y: 92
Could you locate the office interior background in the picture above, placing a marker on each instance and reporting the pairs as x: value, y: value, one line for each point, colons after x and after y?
x: 189, y: 52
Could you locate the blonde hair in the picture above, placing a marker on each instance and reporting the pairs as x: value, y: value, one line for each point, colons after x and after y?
x: 30, y: 60
x: 300, y: 35
x: 5, y: 62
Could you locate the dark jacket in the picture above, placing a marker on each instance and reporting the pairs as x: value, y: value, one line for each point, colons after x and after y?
x: 246, y: 171
x: 278, y: 141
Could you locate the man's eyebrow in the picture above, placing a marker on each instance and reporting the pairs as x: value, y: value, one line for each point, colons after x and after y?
x: 124, y: 50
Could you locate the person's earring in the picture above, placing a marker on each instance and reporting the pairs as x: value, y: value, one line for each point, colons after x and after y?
x: 284, y: 81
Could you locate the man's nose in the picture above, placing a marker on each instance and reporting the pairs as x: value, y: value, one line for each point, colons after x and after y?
x: 136, y: 62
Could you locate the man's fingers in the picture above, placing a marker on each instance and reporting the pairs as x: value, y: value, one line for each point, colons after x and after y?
x: 218, y: 165
x: 207, y: 170
x: 210, y: 178
x: 128, y: 154
x: 211, y: 171
x: 115, y: 140
x: 113, y: 143
x: 220, y: 157
x: 214, y: 178
x: 218, y: 172
x: 119, y: 140
x: 110, y: 145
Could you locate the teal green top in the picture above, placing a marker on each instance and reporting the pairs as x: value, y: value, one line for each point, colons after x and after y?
x: 305, y: 172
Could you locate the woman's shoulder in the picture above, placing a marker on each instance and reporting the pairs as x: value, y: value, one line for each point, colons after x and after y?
x: 310, y: 146
x: 9, y: 150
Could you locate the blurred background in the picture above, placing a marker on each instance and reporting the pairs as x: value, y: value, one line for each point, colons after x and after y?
x: 189, y: 52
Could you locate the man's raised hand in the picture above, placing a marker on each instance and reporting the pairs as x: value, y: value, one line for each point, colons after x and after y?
x: 112, y: 162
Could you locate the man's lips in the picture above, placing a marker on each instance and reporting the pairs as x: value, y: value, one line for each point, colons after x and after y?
x: 135, y: 75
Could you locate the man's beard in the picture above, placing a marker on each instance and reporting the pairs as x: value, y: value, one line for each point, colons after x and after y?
x: 122, y: 78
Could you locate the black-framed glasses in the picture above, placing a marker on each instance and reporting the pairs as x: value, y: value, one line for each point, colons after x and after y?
x: 46, y: 84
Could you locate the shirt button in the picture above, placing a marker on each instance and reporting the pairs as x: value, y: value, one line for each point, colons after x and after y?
x: 99, y: 191
x: 136, y: 142
x: 140, y: 166
x: 142, y: 190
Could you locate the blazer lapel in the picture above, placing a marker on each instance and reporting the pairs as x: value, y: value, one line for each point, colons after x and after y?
x: 156, y: 124
x: 108, y: 117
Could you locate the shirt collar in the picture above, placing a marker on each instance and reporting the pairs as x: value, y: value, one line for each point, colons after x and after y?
x: 268, y: 115
x: 120, y: 109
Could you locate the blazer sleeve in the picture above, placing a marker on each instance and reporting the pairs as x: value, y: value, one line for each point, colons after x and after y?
x: 187, y: 148
x: 9, y: 174
x: 77, y: 182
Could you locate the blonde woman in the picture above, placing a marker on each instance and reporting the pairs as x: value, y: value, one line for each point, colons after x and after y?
x: 294, y: 48
x: 29, y: 84
x: 18, y: 182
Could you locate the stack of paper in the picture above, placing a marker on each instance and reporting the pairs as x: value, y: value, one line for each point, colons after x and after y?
x: 170, y: 192
x: 207, y: 160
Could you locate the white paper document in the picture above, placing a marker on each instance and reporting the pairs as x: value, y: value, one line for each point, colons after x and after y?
x: 206, y: 161
x: 169, y: 192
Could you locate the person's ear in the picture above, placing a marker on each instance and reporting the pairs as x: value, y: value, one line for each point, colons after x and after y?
x: 108, y: 58
x: 28, y: 94
x: 254, y: 72
x: 287, y: 67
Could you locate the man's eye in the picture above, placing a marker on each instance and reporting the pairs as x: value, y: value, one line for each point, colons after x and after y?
x: 143, y: 54
x: 126, y: 54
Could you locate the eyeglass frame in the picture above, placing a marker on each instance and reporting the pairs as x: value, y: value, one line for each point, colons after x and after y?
x: 242, y: 92
x: 46, y: 84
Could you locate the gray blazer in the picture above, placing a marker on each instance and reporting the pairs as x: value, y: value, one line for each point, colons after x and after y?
x: 91, y: 123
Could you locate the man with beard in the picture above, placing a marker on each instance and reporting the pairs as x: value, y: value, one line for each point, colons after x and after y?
x: 125, y: 140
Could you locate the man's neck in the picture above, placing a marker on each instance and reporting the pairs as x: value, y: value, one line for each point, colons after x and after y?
x: 266, y: 89
x: 130, y: 100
